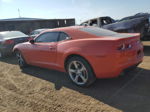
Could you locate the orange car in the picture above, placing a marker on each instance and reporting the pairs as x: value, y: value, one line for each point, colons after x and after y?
x: 84, y: 52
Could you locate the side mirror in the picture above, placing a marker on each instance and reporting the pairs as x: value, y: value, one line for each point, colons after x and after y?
x: 31, y: 41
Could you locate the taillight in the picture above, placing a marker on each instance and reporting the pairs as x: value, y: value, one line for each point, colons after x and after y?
x: 122, y: 47
x: 9, y: 42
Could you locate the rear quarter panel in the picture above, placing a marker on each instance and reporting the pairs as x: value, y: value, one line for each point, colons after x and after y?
x: 92, y: 50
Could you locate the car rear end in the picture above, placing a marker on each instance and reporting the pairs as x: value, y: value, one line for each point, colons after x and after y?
x: 112, y: 53
x: 123, y: 53
x: 10, y: 43
x: 7, y: 43
x: 129, y: 52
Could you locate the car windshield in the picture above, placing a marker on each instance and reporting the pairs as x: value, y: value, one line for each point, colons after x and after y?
x: 11, y: 34
x: 98, y: 31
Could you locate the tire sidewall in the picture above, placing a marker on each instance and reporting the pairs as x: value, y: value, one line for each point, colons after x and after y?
x: 91, y: 75
x: 24, y: 64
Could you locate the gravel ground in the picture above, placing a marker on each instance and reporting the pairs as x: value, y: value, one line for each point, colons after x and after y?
x: 41, y: 90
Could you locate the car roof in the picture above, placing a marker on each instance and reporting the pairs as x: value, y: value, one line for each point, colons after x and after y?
x: 9, y: 31
x: 12, y: 34
x: 73, y: 32
x: 66, y: 28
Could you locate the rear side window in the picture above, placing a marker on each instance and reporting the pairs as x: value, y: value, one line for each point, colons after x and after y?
x: 98, y: 31
x: 47, y: 37
x: 63, y: 36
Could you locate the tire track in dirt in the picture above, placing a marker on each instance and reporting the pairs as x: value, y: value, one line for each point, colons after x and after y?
x: 36, y: 105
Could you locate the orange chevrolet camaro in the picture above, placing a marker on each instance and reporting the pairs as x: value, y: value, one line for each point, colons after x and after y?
x: 84, y: 52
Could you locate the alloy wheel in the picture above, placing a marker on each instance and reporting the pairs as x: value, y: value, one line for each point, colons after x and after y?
x: 20, y: 59
x: 78, y: 72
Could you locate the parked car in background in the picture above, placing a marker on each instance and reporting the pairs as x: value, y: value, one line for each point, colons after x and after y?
x: 85, y: 53
x: 36, y: 32
x: 139, y: 23
x: 145, y: 30
x: 8, y: 39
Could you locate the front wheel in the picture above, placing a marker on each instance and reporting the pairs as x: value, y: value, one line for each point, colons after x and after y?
x: 20, y: 59
x: 80, y: 71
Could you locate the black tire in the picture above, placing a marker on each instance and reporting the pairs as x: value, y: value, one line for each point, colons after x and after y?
x: 89, y: 71
x: 131, y: 69
x: 21, y: 61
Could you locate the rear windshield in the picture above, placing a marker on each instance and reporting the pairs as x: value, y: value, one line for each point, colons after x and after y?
x: 98, y: 31
x: 11, y: 34
x: 103, y: 32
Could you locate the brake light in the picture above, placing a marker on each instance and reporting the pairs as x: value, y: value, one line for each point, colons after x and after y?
x: 9, y: 42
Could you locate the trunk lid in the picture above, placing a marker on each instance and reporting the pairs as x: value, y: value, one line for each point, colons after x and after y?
x: 21, y: 40
x: 129, y: 48
x: 128, y: 41
x: 14, y: 41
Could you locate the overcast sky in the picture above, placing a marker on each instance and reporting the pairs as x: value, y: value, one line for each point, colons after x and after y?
x: 79, y: 9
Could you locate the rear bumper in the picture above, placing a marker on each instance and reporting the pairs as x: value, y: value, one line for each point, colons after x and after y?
x: 114, y: 64
x: 115, y: 72
x: 6, y: 50
x: 131, y: 67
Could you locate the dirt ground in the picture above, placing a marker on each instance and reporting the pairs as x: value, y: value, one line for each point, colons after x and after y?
x: 41, y: 90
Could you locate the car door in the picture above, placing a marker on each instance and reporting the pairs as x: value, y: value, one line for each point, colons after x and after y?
x: 44, y: 50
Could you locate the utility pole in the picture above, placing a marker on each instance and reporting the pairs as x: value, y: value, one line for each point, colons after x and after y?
x: 19, y: 13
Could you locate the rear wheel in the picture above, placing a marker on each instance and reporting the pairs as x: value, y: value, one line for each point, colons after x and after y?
x: 131, y: 69
x: 20, y: 59
x: 80, y: 71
